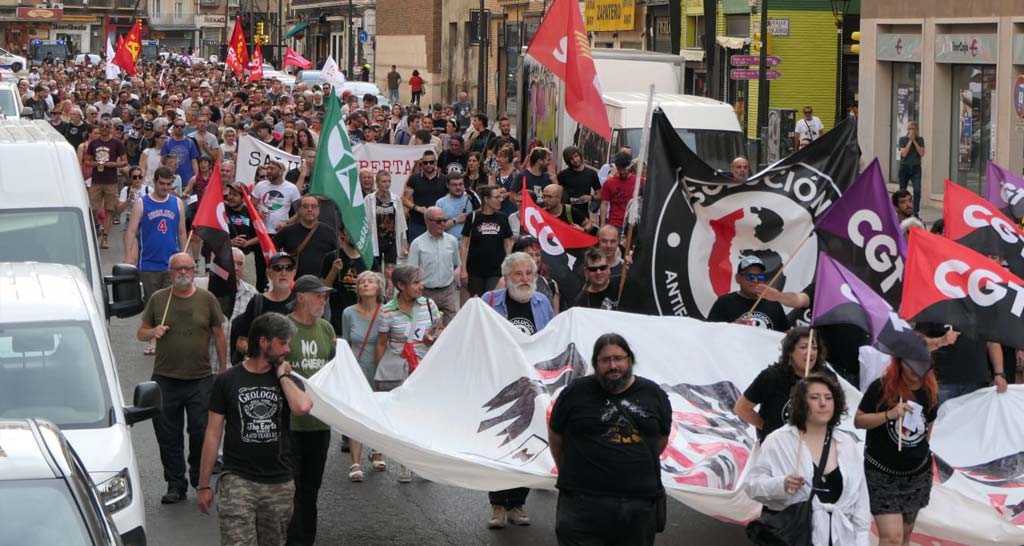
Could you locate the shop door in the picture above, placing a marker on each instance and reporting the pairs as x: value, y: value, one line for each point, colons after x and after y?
x: 906, y: 98
x: 971, y: 120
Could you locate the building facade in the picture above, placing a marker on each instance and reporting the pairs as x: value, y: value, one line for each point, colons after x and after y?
x: 955, y: 68
x: 462, y: 49
x: 409, y: 37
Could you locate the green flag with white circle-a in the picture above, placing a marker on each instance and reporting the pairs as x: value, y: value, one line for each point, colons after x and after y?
x: 336, y: 175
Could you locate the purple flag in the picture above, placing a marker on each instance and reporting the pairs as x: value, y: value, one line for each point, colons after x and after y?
x: 842, y: 298
x: 861, y: 232
x: 1005, y: 191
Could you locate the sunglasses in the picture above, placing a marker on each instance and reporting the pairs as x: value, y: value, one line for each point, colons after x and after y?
x: 280, y: 268
x: 596, y: 268
x: 136, y: 177
x: 437, y: 220
x: 759, y: 277
x: 427, y: 162
x: 176, y: 126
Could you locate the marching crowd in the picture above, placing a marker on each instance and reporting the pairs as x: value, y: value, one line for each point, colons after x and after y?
x: 148, y: 146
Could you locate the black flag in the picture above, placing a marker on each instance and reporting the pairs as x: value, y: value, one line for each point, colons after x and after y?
x: 697, y: 223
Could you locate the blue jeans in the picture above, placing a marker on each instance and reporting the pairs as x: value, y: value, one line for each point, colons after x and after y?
x: 952, y: 390
x: 912, y: 174
x: 393, y: 96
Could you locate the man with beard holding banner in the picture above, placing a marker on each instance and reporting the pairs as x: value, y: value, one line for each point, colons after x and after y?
x: 696, y: 223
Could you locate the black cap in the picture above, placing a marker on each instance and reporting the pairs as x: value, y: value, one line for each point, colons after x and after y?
x: 310, y: 283
x: 148, y: 126
x: 274, y: 258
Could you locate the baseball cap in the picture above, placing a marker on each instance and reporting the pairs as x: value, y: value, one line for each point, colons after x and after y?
x: 310, y: 283
x: 749, y: 261
x: 281, y: 256
x: 148, y: 126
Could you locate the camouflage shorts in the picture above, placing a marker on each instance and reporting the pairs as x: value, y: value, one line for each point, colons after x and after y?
x: 252, y: 513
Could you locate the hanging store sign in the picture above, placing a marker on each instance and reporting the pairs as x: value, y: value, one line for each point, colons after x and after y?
x: 966, y: 48
x: 898, y: 47
x: 610, y: 15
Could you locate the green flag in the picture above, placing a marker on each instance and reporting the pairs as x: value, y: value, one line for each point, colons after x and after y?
x: 336, y: 175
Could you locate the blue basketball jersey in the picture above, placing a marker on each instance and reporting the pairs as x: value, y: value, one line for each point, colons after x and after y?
x: 158, y: 233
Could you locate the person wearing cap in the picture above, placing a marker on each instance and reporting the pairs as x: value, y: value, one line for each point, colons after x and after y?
x: 278, y: 299
x: 898, y: 411
x: 738, y: 306
x: 770, y: 390
x: 312, y: 347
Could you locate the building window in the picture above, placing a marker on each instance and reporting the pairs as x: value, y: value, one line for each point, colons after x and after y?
x: 156, y: 8
x: 737, y: 26
x: 906, y: 99
x: 971, y: 117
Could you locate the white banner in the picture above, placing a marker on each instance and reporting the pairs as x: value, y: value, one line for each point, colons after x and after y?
x: 474, y: 415
x: 396, y: 159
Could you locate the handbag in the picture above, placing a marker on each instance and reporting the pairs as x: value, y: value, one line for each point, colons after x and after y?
x: 395, y: 367
x: 660, y: 507
x: 791, y: 526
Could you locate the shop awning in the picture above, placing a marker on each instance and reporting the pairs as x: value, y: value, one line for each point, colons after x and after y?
x: 295, y: 30
x: 692, y: 55
x: 730, y: 42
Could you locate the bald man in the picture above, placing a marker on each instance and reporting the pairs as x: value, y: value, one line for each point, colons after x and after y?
x: 740, y: 168
x: 551, y: 197
x: 182, y: 319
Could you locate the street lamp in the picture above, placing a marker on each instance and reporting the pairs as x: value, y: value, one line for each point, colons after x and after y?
x: 839, y: 9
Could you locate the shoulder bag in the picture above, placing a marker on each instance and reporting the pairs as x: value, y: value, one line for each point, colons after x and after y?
x: 660, y: 508
x: 791, y: 526
x: 395, y: 367
x: 302, y: 245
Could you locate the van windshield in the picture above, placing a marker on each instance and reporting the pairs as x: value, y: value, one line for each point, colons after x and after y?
x: 44, y: 235
x: 716, y: 148
x: 52, y: 370
x: 7, y: 105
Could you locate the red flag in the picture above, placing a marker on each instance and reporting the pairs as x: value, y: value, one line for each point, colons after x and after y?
x: 238, y: 55
x: 979, y: 225
x: 120, y: 42
x: 291, y: 58
x: 948, y: 283
x: 554, y: 234
x: 562, y: 46
x: 256, y: 64
x: 128, y: 52
x: 211, y: 225
x: 266, y: 244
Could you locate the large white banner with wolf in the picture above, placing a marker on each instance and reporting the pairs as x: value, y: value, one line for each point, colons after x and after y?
x: 474, y: 415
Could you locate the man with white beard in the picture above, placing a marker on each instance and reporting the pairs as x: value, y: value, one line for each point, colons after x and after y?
x: 530, y: 311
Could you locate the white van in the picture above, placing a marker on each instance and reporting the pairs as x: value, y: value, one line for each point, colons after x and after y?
x: 56, y: 363
x: 44, y: 209
x: 709, y: 127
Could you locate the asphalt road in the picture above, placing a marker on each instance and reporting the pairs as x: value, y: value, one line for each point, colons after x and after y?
x: 378, y: 511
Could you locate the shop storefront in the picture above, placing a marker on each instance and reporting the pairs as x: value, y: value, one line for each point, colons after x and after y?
x: 78, y: 36
x: 903, y: 53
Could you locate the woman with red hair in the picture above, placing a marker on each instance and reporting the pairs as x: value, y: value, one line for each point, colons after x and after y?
x: 897, y: 411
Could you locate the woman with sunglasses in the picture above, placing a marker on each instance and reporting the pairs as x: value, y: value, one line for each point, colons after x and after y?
x: 131, y: 193
x: 289, y: 142
x: 771, y: 389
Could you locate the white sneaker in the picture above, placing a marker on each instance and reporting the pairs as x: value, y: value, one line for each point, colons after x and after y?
x: 498, y: 517
x: 404, y: 475
x: 518, y: 516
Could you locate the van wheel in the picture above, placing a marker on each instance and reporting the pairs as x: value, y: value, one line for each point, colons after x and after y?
x: 16, y: 67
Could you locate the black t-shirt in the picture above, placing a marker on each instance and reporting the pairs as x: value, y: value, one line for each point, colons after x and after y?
x: 256, y: 426
x: 240, y: 224
x: 771, y: 389
x: 578, y: 184
x: 963, y: 362
x: 425, y: 193
x: 882, y: 444
x: 258, y: 305
x: 521, y: 316
x: 732, y: 306
x: 603, y: 453
x: 76, y: 134
x: 323, y: 241
x: 344, y: 285
x: 487, y: 234
x: 483, y: 141
x: 535, y: 184
x: 386, y: 245
x: 607, y: 299
x: 446, y: 162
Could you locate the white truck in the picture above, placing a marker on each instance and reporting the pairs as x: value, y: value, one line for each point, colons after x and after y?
x: 708, y: 126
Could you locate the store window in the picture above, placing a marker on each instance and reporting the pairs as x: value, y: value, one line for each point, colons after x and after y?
x: 906, y: 99
x: 971, y: 120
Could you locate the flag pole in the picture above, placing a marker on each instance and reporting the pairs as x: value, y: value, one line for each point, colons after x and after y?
x: 810, y: 344
x: 633, y: 209
x: 170, y: 293
x: 899, y: 431
x: 775, y: 277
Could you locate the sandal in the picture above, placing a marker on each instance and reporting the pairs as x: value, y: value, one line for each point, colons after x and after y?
x: 378, y: 464
x: 355, y: 473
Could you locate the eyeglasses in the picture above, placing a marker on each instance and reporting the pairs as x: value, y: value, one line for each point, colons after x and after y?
x: 612, y: 358
x: 136, y: 177
x: 596, y: 268
x: 759, y: 277
x: 280, y: 268
x: 437, y: 220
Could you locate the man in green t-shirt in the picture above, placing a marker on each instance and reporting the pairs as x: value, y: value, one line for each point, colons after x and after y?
x: 911, y: 149
x: 312, y: 347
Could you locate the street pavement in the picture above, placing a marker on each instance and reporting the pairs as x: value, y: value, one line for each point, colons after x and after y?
x: 378, y: 511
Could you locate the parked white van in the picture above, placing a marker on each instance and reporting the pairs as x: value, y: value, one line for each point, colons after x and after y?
x: 44, y: 209
x: 709, y: 127
x: 56, y: 363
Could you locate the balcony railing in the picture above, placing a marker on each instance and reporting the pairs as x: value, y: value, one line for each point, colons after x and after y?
x: 170, y: 21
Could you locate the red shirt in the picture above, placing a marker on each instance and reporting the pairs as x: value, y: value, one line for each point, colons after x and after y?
x: 617, y: 192
x: 416, y: 83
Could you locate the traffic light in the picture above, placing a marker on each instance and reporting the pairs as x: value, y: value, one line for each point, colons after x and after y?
x: 755, y: 44
x: 855, y: 47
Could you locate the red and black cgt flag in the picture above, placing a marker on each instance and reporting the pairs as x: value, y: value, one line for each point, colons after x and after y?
x: 982, y: 227
x: 211, y: 225
x: 950, y: 284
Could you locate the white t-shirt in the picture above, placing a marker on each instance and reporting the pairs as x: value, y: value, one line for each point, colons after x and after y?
x: 276, y: 200
x: 137, y: 194
x: 809, y: 129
